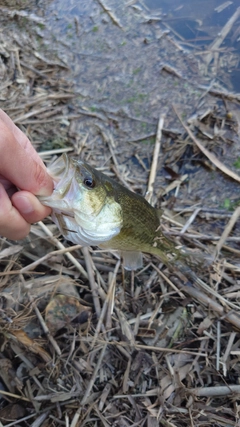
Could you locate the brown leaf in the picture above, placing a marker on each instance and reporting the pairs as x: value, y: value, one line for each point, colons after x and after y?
x: 63, y: 309
x: 204, y: 325
x: 12, y: 412
x: 31, y: 345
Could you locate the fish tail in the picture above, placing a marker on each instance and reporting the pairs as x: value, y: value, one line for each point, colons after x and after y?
x: 187, y: 263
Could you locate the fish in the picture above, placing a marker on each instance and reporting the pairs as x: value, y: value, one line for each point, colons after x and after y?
x: 92, y: 209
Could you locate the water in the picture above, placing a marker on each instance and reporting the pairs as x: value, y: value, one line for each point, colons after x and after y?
x: 120, y: 68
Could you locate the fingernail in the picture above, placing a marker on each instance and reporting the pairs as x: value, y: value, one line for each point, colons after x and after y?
x: 24, y: 205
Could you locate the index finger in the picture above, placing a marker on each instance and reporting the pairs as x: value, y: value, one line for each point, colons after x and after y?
x: 20, y: 137
x: 19, y: 167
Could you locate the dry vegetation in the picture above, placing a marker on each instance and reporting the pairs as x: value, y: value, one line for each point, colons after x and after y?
x: 81, y: 343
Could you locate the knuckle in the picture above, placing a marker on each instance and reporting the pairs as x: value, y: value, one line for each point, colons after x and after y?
x: 12, y: 225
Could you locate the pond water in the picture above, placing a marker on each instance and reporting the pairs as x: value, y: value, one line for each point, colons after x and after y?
x: 120, y: 57
x: 88, y: 30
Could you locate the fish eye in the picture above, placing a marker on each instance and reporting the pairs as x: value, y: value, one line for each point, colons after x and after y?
x: 89, y: 182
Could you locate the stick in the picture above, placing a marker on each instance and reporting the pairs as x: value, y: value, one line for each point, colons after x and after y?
x: 109, y: 12
x: 153, y: 171
x: 227, y: 231
x: 215, y: 391
x: 93, y: 284
x: 47, y: 256
x: 60, y: 246
x: 223, y: 34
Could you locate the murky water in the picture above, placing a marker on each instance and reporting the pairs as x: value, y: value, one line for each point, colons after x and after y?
x: 88, y: 30
x: 119, y: 52
x: 119, y: 59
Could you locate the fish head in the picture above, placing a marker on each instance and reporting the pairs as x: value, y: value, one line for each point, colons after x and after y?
x: 83, y: 203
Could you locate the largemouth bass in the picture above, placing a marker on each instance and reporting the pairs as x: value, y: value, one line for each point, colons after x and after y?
x: 92, y: 209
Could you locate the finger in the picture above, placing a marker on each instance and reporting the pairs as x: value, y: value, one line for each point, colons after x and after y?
x: 12, y: 224
x: 19, y: 167
x: 29, y: 206
x: 20, y: 137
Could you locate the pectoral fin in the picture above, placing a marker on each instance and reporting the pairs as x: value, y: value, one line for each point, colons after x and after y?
x: 132, y: 260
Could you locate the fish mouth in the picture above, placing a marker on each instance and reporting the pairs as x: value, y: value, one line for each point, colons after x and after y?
x: 58, y: 204
x: 61, y: 198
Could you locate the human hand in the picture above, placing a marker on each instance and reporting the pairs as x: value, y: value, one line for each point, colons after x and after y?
x: 22, y: 168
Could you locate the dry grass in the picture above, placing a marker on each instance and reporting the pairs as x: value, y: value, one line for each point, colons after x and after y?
x: 116, y: 349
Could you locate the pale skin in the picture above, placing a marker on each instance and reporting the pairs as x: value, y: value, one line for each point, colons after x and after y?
x: 23, y: 176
